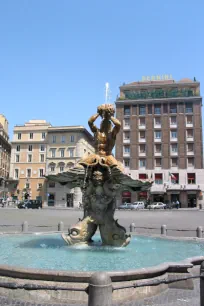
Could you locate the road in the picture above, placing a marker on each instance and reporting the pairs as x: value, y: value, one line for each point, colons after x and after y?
x: 47, y: 220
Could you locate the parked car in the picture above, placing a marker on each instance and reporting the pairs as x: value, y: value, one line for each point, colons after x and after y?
x: 126, y: 206
x: 33, y: 204
x: 157, y: 205
x: 138, y: 205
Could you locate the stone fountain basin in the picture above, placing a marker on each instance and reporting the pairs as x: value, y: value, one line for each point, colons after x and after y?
x: 80, y: 279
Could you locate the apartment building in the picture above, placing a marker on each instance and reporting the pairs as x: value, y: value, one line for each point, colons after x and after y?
x: 161, y: 137
x: 66, y: 145
x: 28, y: 159
x: 5, y: 154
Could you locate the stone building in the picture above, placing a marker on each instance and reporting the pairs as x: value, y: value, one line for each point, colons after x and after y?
x: 5, y: 154
x: 65, y: 147
x: 161, y: 139
x: 28, y: 159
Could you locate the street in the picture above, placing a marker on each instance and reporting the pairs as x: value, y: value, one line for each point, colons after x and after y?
x: 145, y: 221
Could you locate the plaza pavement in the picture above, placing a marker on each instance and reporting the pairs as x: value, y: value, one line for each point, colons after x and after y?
x: 47, y: 220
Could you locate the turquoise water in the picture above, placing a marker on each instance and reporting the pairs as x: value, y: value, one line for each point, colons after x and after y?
x: 51, y: 252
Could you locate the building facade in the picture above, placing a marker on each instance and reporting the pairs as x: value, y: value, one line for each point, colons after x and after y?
x: 39, y: 149
x: 161, y: 137
x: 28, y: 159
x: 65, y: 147
x: 5, y: 154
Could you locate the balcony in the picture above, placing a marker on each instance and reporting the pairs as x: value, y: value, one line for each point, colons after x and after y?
x: 190, y: 153
x: 126, y: 140
x: 142, y: 153
x: 157, y: 139
x: 174, y: 153
x: 126, y: 127
x: 142, y: 140
x: 189, y: 124
x: 190, y: 138
x: 126, y: 154
x: 157, y: 153
x: 142, y: 127
x: 175, y: 139
x: 173, y: 124
x: 157, y: 125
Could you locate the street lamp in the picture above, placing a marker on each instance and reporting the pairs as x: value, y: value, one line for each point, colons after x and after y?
x: 3, y: 181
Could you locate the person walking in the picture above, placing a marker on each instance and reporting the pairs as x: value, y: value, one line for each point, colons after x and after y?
x: 177, y: 204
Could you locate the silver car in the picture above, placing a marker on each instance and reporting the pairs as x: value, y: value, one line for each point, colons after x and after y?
x: 138, y: 205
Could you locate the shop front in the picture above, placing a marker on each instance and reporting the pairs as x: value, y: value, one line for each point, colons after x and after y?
x: 192, y: 199
x: 126, y: 196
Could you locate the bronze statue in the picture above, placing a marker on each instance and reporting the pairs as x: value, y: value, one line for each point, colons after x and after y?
x: 101, y: 177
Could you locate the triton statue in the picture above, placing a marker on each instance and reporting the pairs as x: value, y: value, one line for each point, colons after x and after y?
x: 101, y: 177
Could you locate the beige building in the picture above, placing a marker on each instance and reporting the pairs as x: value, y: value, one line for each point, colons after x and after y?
x: 65, y: 147
x: 28, y: 159
x: 5, y: 153
x: 161, y: 139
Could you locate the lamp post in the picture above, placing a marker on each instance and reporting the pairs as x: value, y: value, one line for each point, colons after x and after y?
x: 3, y: 180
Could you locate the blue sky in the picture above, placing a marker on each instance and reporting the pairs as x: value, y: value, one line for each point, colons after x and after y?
x: 57, y: 55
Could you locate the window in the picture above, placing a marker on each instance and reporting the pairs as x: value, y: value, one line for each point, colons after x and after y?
x: 191, y: 178
x: 174, y: 178
x: 61, y: 152
x: 189, y: 133
x: 142, y: 163
x: 18, y: 148
x: 127, y: 110
x: 30, y: 148
x: 71, y: 152
x: 27, y: 186
x: 142, y: 110
x: 157, y: 121
x: 126, y: 135
x: 39, y: 186
x: 149, y: 109
x: 42, y: 158
x: 61, y: 168
x: 174, y: 134
x: 158, y: 162
x: 142, y: 121
x: 42, y: 148
x: 173, y: 108
x: 190, y: 147
x: 127, y: 149
x: 31, y: 135
x: 190, y: 162
x: 29, y: 158
x: 157, y: 134
x: 52, y: 168
x: 16, y: 173
x: 126, y: 122
x: 51, y: 184
x: 142, y: 148
x: 41, y: 172
x: 43, y: 135
x: 127, y: 163
x: 173, y: 120
x: 17, y: 158
x: 28, y: 174
x: 72, y: 138
x: 174, y: 162
x: 143, y: 176
x: 189, y: 119
x: 165, y: 108
x: 157, y: 148
x: 157, y: 109
x: 53, y: 151
x: 142, y: 134
x: 54, y: 139
x: 189, y: 107
x: 63, y: 139
x: 158, y: 178
x: 19, y: 136
x: 174, y: 148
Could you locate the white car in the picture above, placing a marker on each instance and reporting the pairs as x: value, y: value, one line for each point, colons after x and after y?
x: 157, y: 205
x: 138, y: 205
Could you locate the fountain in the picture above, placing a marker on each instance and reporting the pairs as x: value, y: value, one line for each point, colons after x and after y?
x: 101, y: 177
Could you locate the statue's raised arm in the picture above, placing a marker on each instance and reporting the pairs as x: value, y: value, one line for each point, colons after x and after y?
x: 91, y: 121
x: 117, y: 126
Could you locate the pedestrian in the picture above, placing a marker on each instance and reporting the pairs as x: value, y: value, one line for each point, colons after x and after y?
x: 177, y: 204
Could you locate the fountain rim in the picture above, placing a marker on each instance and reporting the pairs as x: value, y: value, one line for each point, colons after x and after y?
x: 119, y: 275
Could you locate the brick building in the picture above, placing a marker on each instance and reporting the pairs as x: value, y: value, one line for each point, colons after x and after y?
x: 161, y: 138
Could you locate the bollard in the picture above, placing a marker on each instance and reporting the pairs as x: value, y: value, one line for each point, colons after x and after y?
x: 132, y: 227
x: 199, y: 232
x: 100, y: 290
x: 202, y: 284
x: 60, y: 226
x: 163, y: 230
x: 200, y: 206
x: 25, y: 226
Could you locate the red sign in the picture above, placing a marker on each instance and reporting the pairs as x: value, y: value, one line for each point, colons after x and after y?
x: 126, y: 194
